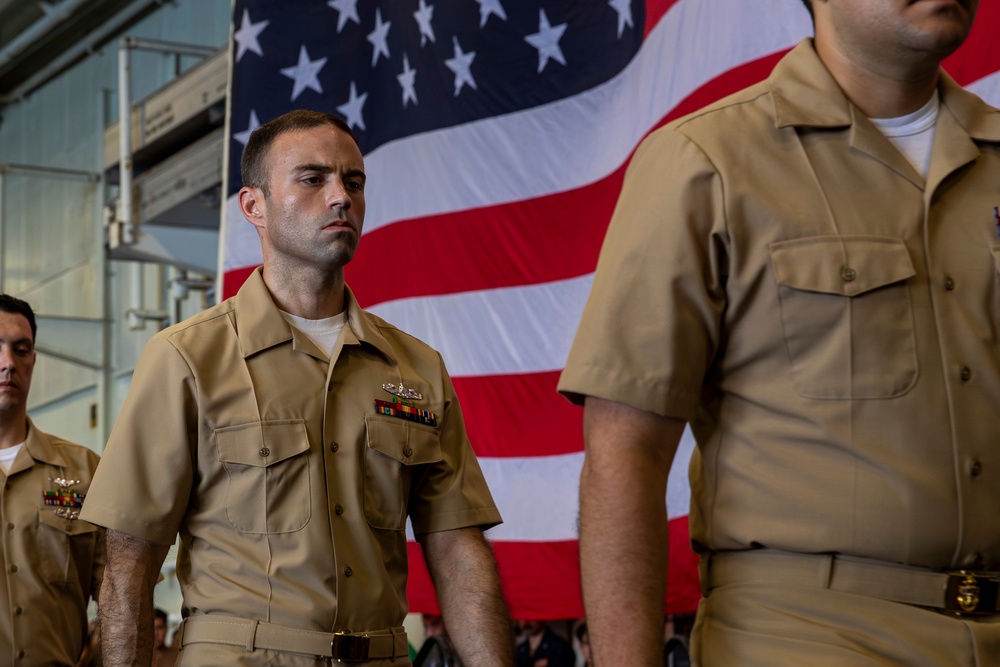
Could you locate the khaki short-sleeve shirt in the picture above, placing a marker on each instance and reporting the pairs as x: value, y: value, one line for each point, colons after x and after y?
x: 51, y: 562
x: 289, y: 488
x: 826, y: 319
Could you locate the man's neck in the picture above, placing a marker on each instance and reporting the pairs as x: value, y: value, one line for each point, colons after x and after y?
x: 881, y: 91
x: 309, y: 294
x: 13, y: 429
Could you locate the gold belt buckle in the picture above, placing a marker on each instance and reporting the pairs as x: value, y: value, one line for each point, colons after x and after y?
x: 972, y: 593
x: 349, y: 648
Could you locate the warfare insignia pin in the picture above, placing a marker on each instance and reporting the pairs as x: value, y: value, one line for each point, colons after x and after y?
x: 402, y: 392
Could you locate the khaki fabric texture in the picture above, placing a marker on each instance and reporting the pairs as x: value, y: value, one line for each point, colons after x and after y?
x: 777, y: 274
x: 774, y: 624
x: 290, y: 493
x: 50, y: 566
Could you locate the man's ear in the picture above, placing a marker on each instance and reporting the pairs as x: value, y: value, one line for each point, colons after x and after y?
x: 253, y: 206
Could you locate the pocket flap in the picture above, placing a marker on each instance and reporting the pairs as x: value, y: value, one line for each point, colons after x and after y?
x: 843, y: 265
x: 48, y: 517
x: 408, y: 443
x: 262, y: 444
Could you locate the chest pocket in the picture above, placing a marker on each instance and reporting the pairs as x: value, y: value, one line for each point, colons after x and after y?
x: 395, y: 449
x: 65, y: 548
x: 847, y: 315
x: 267, y: 465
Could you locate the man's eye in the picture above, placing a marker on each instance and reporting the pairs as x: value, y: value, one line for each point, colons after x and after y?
x: 312, y: 180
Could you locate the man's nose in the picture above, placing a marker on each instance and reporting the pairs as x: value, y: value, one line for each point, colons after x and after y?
x: 337, y: 194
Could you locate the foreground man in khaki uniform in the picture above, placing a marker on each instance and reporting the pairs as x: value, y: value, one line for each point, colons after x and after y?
x: 287, y: 435
x: 808, y: 273
x: 51, y: 561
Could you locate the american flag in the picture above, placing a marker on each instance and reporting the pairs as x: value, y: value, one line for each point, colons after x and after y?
x: 496, y: 135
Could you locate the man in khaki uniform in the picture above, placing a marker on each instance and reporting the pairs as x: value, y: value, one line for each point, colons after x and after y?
x: 51, y: 561
x: 287, y: 435
x: 807, y: 273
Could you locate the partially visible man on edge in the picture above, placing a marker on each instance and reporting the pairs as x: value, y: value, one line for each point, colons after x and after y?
x: 808, y: 273
x: 51, y: 561
x: 287, y: 435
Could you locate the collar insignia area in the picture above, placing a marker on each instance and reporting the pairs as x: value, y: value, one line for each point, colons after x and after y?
x: 402, y: 392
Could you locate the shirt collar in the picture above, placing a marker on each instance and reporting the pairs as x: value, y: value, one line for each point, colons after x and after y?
x: 806, y: 94
x: 40, y: 448
x: 260, y: 325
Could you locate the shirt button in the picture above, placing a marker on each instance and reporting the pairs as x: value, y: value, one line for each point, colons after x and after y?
x: 13, y: 568
x: 18, y: 611
x: 407, y: 451
x: 975, y: 469
x: 10, y: 526
x: 20, y: 654
x: 264, y: 451
x: 949, y: 283
x: 334, y: 447
x: 348, y: 571
x: 966, y: 374
x: 847, y: 274
x: 339, y: 509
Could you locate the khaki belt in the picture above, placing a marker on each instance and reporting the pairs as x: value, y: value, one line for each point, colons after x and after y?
x: 251, y: 635
x: 960, y: 592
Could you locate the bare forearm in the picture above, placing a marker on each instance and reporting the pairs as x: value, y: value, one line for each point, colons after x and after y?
x: 468, y: 588
x: 126, y: 600
x: 624, y: 538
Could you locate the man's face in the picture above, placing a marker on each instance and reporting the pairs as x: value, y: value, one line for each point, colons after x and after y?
x: 159, y: 633
x: 316, y: 206
x: 894, y: 28
x: 17, y: 361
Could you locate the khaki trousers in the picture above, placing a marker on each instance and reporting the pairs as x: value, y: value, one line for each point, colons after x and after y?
x: 770, y: 619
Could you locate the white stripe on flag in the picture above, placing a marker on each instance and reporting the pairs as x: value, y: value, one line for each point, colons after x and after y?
x: 988, y: 88
x: 537, y: 496
x: 499, y: 331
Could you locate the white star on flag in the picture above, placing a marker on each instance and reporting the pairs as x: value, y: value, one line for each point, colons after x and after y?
x: 379, y: 37
x: 347, y: 10
x: 546, y: 40
x: 489, y: 7
x: 423, y: 17
x: 460, y: 65
x: 351, y: 109
x: 246, y: 36
x: 244, y: 136
x: 408, y: 79
x: 305, y: 73
x: 624, y: 9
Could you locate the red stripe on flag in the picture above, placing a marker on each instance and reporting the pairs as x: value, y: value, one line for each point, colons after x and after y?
x: 544, y: 577
x: 979, y: 55
x: 519, y: 415
x: 233, y: 280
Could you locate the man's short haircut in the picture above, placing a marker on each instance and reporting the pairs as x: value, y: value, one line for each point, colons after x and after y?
x: 11, y: 304
x: 253, y: 164
x: 581, y: 630
x: 159, y: 613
